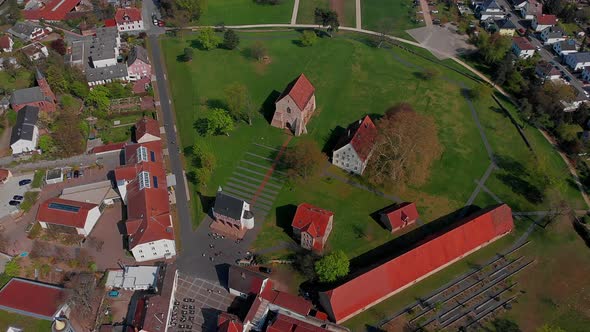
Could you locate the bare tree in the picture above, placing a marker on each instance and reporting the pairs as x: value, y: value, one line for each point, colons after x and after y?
x: 82, y: 296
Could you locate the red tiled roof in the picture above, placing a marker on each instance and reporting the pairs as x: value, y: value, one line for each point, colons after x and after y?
x: 110, y: 23
x: 422, y: 259
x: 523, y: 43
x: 156, y: 313
x: 401, y: 214
x: 4, y: 174
x: 139, y: 87
x: 124, y: 15
x: 53, y: 10
x: 31, y: 298
x: 546, y: 19
x: 311, y: 219
x: 147, y: 125
x: 65, y: 217
x: 108, y: 148
x: 300, y: 90
x: 284, y: 323
x: 228, y: 323
x: 5, y: 41
x: 362, y: 136
x: 288, y: 301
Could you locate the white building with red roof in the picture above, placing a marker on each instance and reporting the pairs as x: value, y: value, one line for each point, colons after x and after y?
x: 353, y: 151
x: 143, y: 188
x: 33, y: 299
x: 50, y: 11
x: 399, y: 216
x: 295, y: 106
x: 6, y: 43
x: 522, y: 47
x: 312, y: 226
x: 147, y: 130
x: 416, y: 263
x: 129, y: 19
x: 67, y: 216
x: 543, y: 21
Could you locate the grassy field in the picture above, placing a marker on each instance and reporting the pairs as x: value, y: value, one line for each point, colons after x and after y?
x: 122, y: 132
x: 245, y: 12
x: 305, y: 15
x: 24, y: 79
x: 25, y: 323
x: 397, y: 13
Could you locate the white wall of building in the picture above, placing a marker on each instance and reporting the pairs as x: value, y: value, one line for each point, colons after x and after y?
x: 130, y: 26
x: 22, y: 145
x: 347, y: 159
x: 154, y: 250
x: 91, y: 219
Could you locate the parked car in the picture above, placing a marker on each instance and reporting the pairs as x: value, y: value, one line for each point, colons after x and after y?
x: 17, y: 198
x: 114, y: 293
x: 14, y: 203
x: 161, y: 23
x: 24, y: 182
x: 265, y: 269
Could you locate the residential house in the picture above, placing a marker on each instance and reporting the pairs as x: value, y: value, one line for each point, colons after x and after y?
x: 103, y: 52
x: 25, y: 133
x: 586, y: 74
x: 490, y: 9
x: 531, y: 9
x: 143, y: 188
x: 39, y: 96
x: 354, y: 149
x: 129, y: 20
x: 28, y: 31
x: 552, y: 35
x: 522, y: 47
x: 517, y: 4
x: 100, y: 193
x: 564, y: 47
x: 33, y: 299
x: 138, y: 64
x: 543, y: 21
x: 312, y: 226
x: 243, y: 282
x: 35, y: 51
x: 147, y: 130
x: 67, y: 216
x: 50, y: 11
x: 506, y: 27
x: 295, y: 106
x: 134, y: 278
x: 399, y: 216
x: 547, y: 71
x: 6, y: 43
x: 5, y: 175
x: 421, y: 260
x: 577, y: 61
x: 232, y: 212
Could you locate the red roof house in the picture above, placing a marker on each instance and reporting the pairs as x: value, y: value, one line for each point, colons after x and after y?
x: 283, y: 323
x: 399, y: 216
x: 33, y: 299
x: 312, y: 226
x: 112, y: 147
x: 352, y: 152
x: 243, y: 282
x: 39, y: 96
x: 52, y: 10
x: 146, y: 130
x: 295, y: 106
x: 129, y: 19
x: 6, y: 43
x: 228, y: 323
x: 67, y: 216
x: 543, y: 21
x: 5, y: 175
x: 418, y: 262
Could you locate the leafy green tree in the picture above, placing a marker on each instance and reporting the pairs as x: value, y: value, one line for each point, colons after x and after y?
x: 208, y: 38
x: 231, y: 40
x: 550, y: 328
x: 505, y: 325
x: 46, y: 143
x: 187, y: 54
x: 79, y: 89
x: 568, y: 132
x: 258, y: 50
x: 304, y: 160
x: 12, y: 268
x: 493, y: 48
x: 217, y: 122
x: 332, y: 266
x: 237, y: 98
x: 204, y: 161
x: 192, y: 7
x: 308, y: 38
x: 480, y: 91
x: 327, y: 18
x: 99, y: 98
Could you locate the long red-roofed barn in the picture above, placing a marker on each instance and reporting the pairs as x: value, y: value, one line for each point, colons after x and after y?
x: 295, y: 106
x: 354, y: 149
x: 420, y: 261
x: 33, y: 299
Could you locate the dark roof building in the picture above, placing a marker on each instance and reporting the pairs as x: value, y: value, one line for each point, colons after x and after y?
x: 25, y: 126
x: 242, y: 281
x: 232, y: 211
x: 33, y: 299
x: 417, y: 262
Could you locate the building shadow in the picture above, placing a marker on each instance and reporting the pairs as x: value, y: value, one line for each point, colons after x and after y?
x: 268, y: 106
x: 376, y: 216
x: 222, y: 271
x: 285, y: 216
x: 210, y: 316
x: 133, y: 131
x: 332, y: 139
x: 207, y: 202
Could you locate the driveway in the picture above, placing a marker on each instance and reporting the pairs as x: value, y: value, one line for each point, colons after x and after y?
x: 443, y: 40
x: 9, y: 189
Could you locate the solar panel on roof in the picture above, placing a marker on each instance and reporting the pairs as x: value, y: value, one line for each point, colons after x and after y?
x: 64, y: 207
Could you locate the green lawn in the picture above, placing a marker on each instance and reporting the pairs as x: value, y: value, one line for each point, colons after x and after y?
x: 122, y: 132
x: 305, y: 15
x: 230, y: 12
x: 398, y: 14
x: 21, y: 81
x: 26, y: 323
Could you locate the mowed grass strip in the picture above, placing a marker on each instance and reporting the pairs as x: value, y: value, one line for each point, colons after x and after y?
x: 234, y: 12
x: 398, y: 13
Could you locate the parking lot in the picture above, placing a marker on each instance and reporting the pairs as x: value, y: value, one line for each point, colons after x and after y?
x: 11, y: 188
x: 197, y: 302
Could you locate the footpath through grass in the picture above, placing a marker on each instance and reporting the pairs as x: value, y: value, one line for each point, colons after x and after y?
x: 234, y: 12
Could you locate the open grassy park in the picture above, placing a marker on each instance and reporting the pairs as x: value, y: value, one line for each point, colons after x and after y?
x: 353, y: 79
x: 396, y: 15
x: 232, y: 12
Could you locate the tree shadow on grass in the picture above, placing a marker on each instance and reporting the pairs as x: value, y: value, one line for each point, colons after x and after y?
x: 285, y: 216
x: 216, y: 103
x: 522, y: 187
x: 510, y: 165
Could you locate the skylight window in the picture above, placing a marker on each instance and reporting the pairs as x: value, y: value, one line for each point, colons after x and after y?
x: 142, y: 154
x: 144, y: 180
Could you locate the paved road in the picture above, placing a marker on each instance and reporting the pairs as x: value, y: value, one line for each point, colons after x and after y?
x: 359, y: 23
x: 426, y: 13
x: 295, y: 11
